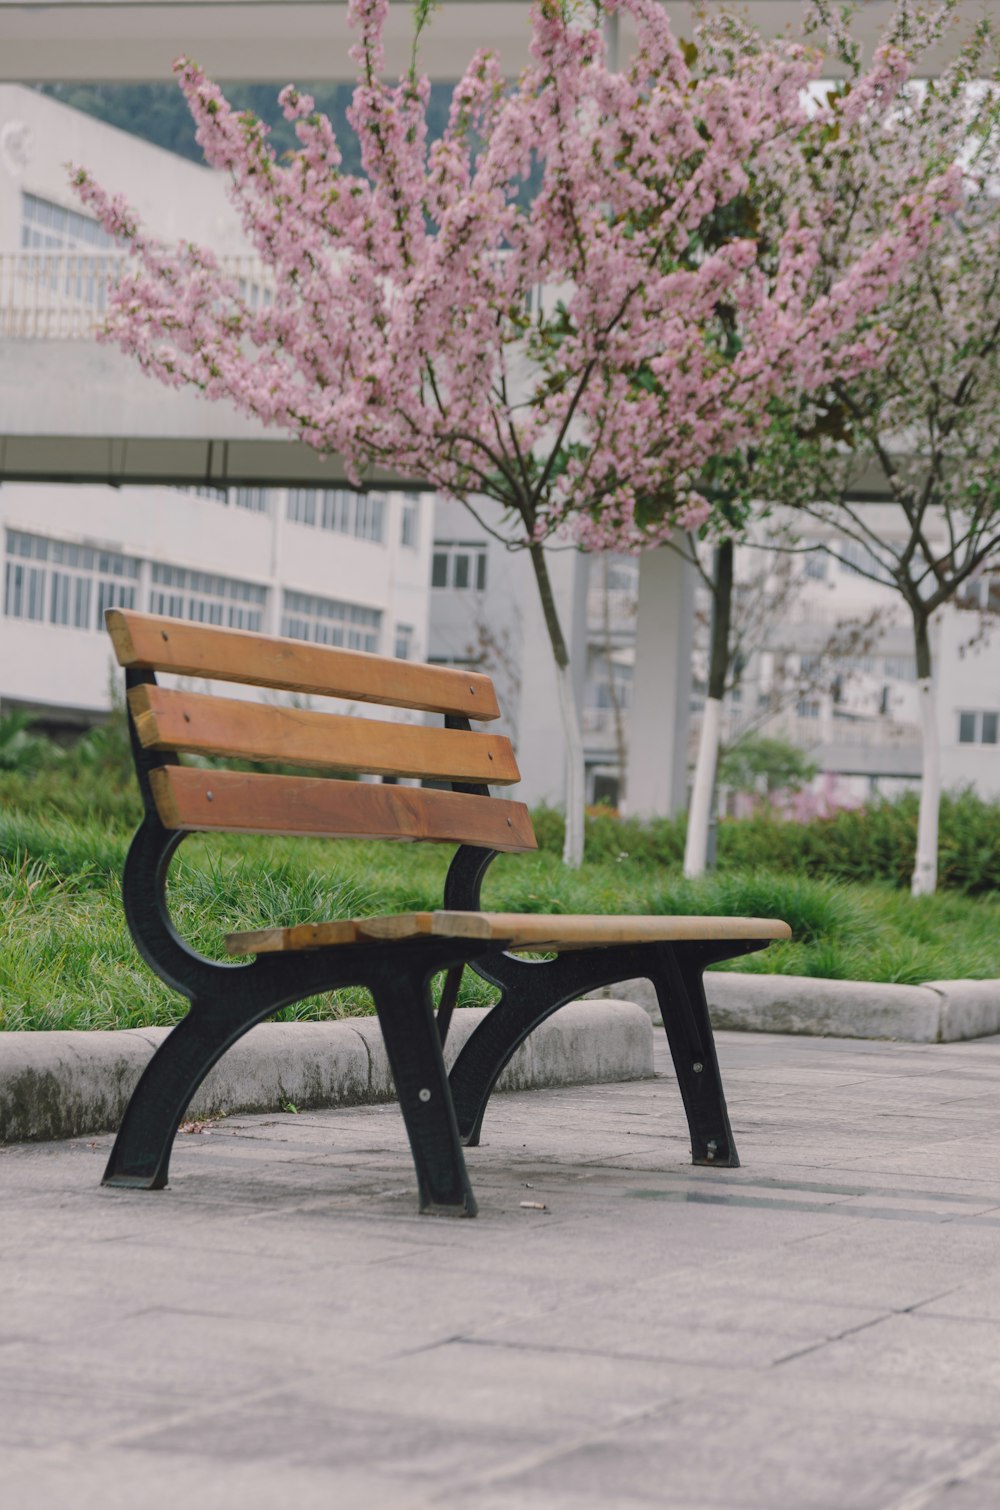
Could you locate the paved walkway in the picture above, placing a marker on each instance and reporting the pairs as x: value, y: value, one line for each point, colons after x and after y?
x: 820, y: 1328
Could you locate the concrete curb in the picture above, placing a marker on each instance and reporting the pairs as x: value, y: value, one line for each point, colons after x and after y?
x: 939, y: 1011
x: 62, y: 1085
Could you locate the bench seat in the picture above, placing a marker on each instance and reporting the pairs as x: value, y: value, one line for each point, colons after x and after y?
x: 515, y: 930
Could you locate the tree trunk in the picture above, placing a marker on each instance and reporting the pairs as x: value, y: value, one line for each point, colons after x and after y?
x: 924, y: 879
x: 696, y: 844
x: 573, y: 845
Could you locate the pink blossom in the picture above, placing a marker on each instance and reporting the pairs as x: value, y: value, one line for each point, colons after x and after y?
x: 406, y: 328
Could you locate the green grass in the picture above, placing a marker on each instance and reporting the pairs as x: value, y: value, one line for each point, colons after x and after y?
x: 67, y: 961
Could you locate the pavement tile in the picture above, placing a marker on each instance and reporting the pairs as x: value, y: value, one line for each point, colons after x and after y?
x: 300, y: 1426
x: 976, y: 1493
x: 951, y: 1357
x: 82, y: 1478
x: 817, y: 1330
x: 805, y: 1460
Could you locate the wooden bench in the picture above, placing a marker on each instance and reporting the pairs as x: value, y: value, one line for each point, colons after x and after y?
x: 394, y: 956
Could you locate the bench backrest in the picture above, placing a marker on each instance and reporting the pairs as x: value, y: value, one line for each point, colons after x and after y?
x: 183, y: 722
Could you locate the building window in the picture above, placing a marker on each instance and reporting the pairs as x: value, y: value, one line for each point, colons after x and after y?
x: 48, y: 225
x: 54, y: 582
x: 403, y: 644
x: 861, y: 561
x: 459, y: 563
x: 255, y: 500
x: 816, y: 565
x: 607, y: 695
x: 621, y: 574
x: 207, y: 598
x: 978, y: 728
x: 409, y: 521
x: 900, y: 668
x: 327, y: 621
x: 302, y: 505
x: 807, y: 707
x: 340, y: 510
x: 980, y: 592
x: 369, y: 516
x: 336, y: 511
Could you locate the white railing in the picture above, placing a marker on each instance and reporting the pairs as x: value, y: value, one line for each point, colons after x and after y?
x: 874, y: 730
x: 64, y: 296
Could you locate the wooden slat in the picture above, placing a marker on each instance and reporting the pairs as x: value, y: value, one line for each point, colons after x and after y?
x: 313, y: 805
x: 148, y: 642
x: 577, y: 930
x: 192, y: 722
x: 516, y: 930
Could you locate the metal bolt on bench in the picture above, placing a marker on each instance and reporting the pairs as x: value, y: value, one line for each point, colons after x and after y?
x: 395, y: 956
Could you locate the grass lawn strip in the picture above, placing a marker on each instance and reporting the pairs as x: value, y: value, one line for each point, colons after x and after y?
x: 67, y: 961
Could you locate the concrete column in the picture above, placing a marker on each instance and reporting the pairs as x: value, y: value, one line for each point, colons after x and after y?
x: 658, y: 736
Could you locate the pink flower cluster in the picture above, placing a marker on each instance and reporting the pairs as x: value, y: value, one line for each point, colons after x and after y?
x: 557, y: 351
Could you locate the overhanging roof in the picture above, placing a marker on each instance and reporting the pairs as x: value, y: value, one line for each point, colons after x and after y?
x: 75, y: 41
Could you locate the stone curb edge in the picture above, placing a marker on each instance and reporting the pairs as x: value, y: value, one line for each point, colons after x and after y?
x: 939, y: 1011
x: 66, y: 1084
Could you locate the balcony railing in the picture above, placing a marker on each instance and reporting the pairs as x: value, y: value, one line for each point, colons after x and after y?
x: 874, y: 730
x: 64, y: 296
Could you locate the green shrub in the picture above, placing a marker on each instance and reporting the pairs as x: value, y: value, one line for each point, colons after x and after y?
x: 20, y: 750
x: 876, y: 842
x: 873, y: 843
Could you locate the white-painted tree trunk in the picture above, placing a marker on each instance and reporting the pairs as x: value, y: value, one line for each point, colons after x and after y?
x: 696, y: 845
x: 924, y: 881
x: 573, y: 844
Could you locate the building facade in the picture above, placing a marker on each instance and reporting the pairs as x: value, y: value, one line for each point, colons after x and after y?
x: 325, y: 564
x: 330, y: 566
x: 824, y: 661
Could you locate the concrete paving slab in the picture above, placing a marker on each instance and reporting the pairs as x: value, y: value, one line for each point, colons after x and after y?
x: 818, y: 1328
x: 820, y: 1461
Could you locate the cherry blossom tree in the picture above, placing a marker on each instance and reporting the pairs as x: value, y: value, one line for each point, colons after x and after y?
x: 515, y: 312
x: 927, y: 424
x: 794, y: 182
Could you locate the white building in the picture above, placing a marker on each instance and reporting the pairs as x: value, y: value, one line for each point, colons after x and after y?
x: 319, y: 563
x: 857, y: 708
x: 485, y: 612
x: 828, y: 663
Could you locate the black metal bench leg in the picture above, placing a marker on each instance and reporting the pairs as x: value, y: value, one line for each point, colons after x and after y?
x: 531, y: 992
x: 479, y: 1066
x: 681, y: 995
x: 413, y: 1045
x: 141, y: 1155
